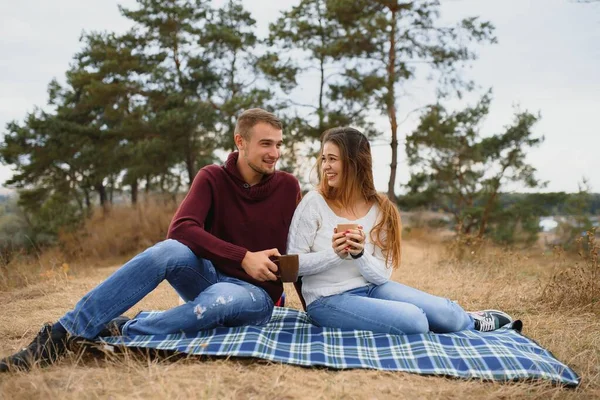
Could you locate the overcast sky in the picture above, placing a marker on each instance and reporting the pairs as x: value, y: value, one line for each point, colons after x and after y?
x: 547, y: 60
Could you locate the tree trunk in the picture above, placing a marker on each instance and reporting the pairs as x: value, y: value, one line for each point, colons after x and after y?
x: 320, y: 111
x: 162, y: 184
x: 79, y: 202
x: 176, y: 191
x: 147, y: 189
x: 486, y: 213
x: 148, y: 184
x: 231, y: 132
x: 88, y: 201
x: 134, y: 192
x: 391, y: 107
x: 101, y: 189
x: 112, y: 189
x: 189, y: 164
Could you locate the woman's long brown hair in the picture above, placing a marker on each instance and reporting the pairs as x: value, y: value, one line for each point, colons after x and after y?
x: 357, y: 177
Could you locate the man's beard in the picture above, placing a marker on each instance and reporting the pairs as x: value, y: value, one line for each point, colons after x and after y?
x: 258, y: 169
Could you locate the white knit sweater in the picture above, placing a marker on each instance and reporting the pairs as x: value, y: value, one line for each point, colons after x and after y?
x: 323, y: 272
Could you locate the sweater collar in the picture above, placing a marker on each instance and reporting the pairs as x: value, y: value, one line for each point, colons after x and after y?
x: 259, y: 191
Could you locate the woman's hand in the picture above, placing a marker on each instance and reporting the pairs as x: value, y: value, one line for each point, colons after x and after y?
x: 338, y: 242
x: 355, y: 241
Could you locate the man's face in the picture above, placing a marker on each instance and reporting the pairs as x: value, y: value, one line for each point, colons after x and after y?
x: 262, y: 150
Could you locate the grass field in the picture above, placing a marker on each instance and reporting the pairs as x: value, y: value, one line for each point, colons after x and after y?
x: 511, y: 281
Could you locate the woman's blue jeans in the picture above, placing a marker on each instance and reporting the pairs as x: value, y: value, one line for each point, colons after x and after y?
x: 389, y: 308
x: 213, y: 299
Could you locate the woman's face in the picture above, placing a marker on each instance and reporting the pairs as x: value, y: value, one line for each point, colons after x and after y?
x: 331, y: 165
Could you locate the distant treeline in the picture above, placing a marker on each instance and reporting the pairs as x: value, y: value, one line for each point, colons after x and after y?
x: 553, y: 203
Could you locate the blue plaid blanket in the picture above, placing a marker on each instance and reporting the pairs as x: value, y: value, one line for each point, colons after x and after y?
x: 502, y: 355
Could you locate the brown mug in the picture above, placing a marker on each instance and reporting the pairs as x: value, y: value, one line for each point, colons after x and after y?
x: 287, y: 267
x: 346, y: 227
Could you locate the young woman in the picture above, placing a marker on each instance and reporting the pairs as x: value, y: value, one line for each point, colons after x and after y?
x: 346, y: 275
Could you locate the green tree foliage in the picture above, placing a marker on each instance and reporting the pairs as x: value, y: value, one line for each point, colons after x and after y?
x: 47, y: 160
x: 232, y: 44
x: 181, y: 83
x: 106, y: 95
x: 85, y: 143
x: 305, y: 38
x: 113, y: 76
x: 549, y: 203
x: 518, y: 223
x: 577, y: 221
x: 462, y: 172
x: 22, y: 229
x: 154, y: 105
x: 302, y: 44
x: 13, y: 229
x: 384, y: 44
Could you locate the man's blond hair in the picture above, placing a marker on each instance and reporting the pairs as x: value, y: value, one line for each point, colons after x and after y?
x: 249, y: 118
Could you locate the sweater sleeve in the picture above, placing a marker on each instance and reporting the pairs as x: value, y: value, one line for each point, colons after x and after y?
x: 188, y: 225
x: 301, y: 237
x: 373, y: 266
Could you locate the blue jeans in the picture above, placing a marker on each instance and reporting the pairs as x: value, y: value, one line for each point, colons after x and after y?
x: 213, y: 298
x: 389, y: 308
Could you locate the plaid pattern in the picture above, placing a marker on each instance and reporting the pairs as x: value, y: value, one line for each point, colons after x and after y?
x: 502, y: 355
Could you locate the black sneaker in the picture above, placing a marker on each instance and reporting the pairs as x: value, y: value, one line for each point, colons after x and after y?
x: 490, y: 320
x: 48, y: 346
x: 114, y: 327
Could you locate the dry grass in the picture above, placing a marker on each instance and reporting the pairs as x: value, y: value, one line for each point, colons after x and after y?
x: 576, y: 285
x: 26, y: 269
x: 123, y: 231
x: 102, y: 241
x: 496, y: 279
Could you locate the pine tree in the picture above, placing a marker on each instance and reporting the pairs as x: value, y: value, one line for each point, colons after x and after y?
x: 385, y: 43
x: 456, y: 168
x: 231, y: 43
x: 182, y: 82
x: 310, y: 30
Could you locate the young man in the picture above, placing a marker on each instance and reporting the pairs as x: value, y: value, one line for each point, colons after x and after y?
x: 232, y: 220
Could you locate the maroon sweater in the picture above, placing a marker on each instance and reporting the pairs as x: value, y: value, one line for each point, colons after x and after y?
x: 222, y: 217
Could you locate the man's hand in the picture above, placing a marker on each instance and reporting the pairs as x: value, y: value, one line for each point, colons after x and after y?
x: 259, y: 266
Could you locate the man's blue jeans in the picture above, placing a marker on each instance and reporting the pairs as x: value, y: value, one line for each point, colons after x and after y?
x: 213, y: 299
x: 389, y: 308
